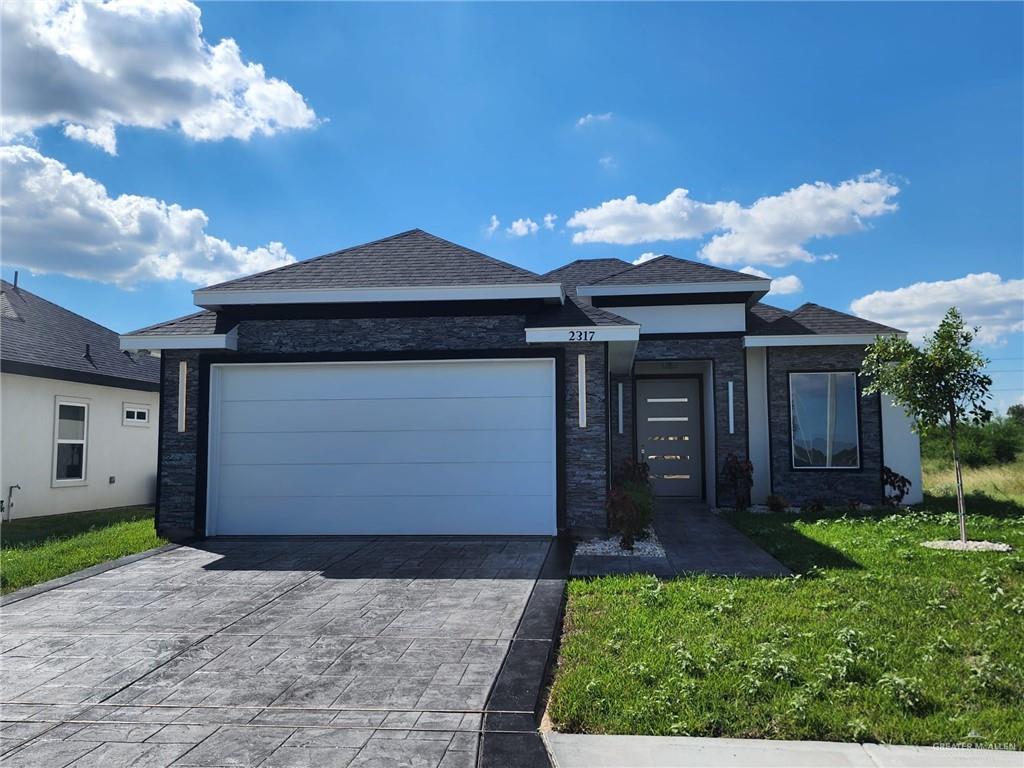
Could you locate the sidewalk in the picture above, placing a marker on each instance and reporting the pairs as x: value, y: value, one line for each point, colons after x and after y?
x: 580, y: 751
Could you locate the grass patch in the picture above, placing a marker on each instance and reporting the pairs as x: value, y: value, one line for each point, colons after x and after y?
x: 874, y: 639
x: 34, y: 550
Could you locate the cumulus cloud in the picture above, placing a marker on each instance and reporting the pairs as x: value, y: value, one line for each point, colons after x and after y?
x: 772, y: 231
x: 985, y: 300
x: 647, y: 256
x: 492, y: 227
x: 91, y: 67
x: 780, y: 285
x: 590, y: 118
x: 54, y: 220
x: 522, y: 228
x: 549, y: 220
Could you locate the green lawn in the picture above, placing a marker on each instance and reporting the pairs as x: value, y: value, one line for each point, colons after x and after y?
x: 38, y: 549
x: 874, y: 639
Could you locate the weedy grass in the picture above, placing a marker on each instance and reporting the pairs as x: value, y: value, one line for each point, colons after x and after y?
x: 874, y: 638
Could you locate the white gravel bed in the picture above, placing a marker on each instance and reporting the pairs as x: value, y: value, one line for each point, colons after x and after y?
x: 610, y: 547
x: 968, y: 546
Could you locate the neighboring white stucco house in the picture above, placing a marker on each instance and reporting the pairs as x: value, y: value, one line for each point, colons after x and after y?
x: 79, y: 417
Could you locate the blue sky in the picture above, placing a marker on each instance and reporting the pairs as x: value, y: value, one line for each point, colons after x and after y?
x: 442, y: 116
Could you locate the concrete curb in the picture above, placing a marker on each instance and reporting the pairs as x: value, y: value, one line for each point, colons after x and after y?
x: 85, y: 573
x: 569, y: 750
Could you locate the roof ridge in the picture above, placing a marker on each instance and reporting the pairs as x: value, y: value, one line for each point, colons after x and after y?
x: 695, y: 262
x: 491, y: 259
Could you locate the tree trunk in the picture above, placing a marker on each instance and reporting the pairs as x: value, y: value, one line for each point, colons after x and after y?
x: 960, y: 505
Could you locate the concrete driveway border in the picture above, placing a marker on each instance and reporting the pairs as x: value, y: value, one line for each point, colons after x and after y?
x: 85, y: 573
x: 569, y: 750
x: 515, y: 705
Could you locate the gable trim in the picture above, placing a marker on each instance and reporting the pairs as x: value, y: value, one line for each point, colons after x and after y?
x: 214, y: 299
x: 227, y: 340
x: 815, y: 340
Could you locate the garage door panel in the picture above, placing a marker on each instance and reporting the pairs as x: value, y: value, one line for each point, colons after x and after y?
x: 391, y: 479
x: 438, y: 447
x: 386, y: 447
x: 514, y: 378
x: 391, y: 515
x: 384, y: 415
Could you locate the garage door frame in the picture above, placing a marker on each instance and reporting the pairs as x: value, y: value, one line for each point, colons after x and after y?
x: 206, y: 360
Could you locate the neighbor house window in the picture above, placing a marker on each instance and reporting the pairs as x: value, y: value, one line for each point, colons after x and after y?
x: 823, y: 418
x: 135, y: 415
x: 70, y: 437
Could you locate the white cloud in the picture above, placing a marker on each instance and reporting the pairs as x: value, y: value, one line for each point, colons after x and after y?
x: 985, y: 300
x: 590, y: 118
x: 549, y: 220
x: 492, y: 227
x: 773, y: 231
x: 627, y: 221
x: 522, y: 228
x: 57, y: 221
x: 646, y: 257
x: 780, y: 285
x: 608, y: 162
x: 91, y: 67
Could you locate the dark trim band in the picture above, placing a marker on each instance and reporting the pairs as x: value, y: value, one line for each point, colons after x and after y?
x: 80, y: 377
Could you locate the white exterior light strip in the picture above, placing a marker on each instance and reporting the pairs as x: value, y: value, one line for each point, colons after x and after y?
x: 221, y: 298
x: 620, y: 408
x: 581, y: 374
x: 734, y: 286
x: 732, y: 420
x: 227, y: 340
x: 182, y: 393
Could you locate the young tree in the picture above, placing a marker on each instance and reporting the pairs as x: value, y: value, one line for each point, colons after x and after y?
x: 1016, y: 413
x: 939, y: 385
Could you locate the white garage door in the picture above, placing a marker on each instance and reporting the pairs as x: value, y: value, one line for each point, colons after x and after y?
x: 424, y: 447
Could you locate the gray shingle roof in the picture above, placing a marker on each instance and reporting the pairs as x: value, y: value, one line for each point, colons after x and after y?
x: 585, y: 272
x: 669, y: 269
x: 197, y: 324
x: 414, y: 258
x: 810, y: 319
x: 574, y: 312
x: 39, y: 337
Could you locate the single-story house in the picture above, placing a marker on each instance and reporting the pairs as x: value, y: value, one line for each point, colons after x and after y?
x: 79, y: 415
x: 414, y: 386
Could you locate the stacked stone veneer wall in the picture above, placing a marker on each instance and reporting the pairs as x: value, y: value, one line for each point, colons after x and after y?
x: 586, y: 449
x: 832, y: 486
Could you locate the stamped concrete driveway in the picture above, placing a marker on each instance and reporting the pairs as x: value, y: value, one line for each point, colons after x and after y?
x: 257, y: 652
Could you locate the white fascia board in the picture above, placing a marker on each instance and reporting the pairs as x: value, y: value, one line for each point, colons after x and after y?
x: 755, y: 285
x: 570, y: 333
x: 214, y: 298
x: 227, y: 340
x: 813, y: 340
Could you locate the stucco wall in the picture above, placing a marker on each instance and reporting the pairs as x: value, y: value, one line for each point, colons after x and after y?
x: 127, y: 453
x: 585, y: 475
x: 832, y: 486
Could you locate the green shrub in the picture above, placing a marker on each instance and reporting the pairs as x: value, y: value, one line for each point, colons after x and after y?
x: 631, y: 503
x: 999, y: 441
x: 776, y: 503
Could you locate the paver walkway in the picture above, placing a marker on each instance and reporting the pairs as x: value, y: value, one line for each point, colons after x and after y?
x: 266, y: 652
x: 696, y: 540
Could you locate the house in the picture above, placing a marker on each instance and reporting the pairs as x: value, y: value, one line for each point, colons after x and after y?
x: 79, y: 415
x: 414, y: 386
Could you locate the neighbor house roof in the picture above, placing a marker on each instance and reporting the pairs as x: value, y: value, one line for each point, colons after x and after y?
x: 669, y: 269
x: 811, y: 319
x: 40, y: 338
x: 413, y: 258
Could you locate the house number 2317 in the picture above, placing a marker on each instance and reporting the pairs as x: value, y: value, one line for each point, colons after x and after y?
x: 581, y: 335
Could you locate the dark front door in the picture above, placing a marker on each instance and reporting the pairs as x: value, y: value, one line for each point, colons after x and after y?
x: 668, y: 434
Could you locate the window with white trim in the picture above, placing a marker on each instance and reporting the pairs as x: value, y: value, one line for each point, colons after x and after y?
x: 135, y: 415
x: 71, y: 434
x: 823, y: 420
